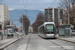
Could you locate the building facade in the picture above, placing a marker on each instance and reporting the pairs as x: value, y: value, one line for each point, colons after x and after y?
x: 30, y: 29
x: 4, y: 16
x: 51, y: 15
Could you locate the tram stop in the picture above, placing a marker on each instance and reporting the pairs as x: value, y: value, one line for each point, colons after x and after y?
x: 10, y: 30
x: 64, y: 30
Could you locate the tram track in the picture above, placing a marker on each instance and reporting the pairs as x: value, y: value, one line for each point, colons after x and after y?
x: 66, y: 41
x: 28, y: 42
x: 57, y: 45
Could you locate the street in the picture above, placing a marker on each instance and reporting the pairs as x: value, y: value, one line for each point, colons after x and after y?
x: 34, y: 42
x: 37, y: 25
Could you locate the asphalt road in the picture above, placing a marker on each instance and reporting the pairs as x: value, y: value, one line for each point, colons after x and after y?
x: 34, y: 42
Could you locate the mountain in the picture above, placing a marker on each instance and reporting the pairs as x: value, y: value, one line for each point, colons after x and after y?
x: 15, y: 15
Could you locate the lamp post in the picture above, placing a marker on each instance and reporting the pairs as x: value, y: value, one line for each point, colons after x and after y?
x: 68, y: 18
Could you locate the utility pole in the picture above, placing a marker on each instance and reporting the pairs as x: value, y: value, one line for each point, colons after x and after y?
x: 53, y: 14
x: 43, y: 19
x: 68, y: 18
x: 59, y: 15
x: 48, y: 16
x: 22, y: 26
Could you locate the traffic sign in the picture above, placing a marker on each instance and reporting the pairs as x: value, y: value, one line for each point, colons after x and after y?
x: 4, y: 30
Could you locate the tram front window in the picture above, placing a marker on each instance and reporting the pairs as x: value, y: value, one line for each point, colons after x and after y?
x: 49, y: 28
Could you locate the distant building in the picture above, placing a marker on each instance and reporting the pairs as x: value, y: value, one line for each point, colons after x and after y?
x: 51, y: 15
x: 30, y: 29
x: 4, y: 16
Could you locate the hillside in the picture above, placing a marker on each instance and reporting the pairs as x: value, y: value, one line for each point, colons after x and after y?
x: 15, y: 15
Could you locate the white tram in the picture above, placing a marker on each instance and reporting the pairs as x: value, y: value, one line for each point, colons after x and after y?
x: 47, y: 30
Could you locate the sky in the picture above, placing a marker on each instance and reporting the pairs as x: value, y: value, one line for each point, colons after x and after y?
x: 30, y: 4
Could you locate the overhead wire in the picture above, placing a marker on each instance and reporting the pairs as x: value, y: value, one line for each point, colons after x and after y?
x: 25, y: 5
x: 52, y: 3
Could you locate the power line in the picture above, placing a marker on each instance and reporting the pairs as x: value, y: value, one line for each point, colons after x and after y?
x: 52, y: 3
x: 25, y: 5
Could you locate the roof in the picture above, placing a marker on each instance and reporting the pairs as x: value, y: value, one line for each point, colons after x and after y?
x: 10, y: 26
x: 49, y: 23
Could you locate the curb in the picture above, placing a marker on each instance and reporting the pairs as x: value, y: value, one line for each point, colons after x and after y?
x: 6, y: 45
x: 66, y: 40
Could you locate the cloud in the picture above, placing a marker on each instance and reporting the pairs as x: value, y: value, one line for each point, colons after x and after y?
x: 30, y: 4
x: 11, y: 8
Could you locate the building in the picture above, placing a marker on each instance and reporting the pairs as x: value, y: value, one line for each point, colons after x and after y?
x: 51, y: 15
x: 30, y: 29
x: 4, y: 16
x: 73, y: 2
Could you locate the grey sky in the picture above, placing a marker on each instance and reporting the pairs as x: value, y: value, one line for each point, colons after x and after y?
x: 30, y: 4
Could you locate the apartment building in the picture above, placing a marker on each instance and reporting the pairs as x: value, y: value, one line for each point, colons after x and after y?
x: 51, y: 15
x: 4, y: 16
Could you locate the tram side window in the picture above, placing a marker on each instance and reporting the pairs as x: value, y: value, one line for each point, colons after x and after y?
x: 38, y: 30
x: 0, y: 27
x: 41, y: 29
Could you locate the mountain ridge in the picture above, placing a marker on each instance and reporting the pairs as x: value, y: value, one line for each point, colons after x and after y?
x: 15, y: 15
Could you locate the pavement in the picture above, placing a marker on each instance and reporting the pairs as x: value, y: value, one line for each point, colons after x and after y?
x: 4, y: 37
x: 20, y: 44
x: 68, y: 39
x: 7, y: 41
x: 35, y: 42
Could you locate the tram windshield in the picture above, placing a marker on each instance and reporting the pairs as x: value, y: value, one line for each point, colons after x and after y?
x: 49, y: 28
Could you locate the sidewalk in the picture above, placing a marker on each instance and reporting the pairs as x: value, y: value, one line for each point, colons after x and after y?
x: 4, y: 37
x: 68, y: 39
x: 4, y: 43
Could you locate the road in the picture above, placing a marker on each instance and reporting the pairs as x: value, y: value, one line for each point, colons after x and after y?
x: 34, y: 42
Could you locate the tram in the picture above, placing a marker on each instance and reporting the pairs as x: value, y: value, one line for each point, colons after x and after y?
x: 47, y: 30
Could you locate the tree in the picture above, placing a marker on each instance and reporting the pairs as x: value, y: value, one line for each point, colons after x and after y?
x: 69, y: 6
x: 39, y: 21
x: 25, y: 21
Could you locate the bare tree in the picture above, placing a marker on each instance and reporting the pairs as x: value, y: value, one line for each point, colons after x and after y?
x: 26, y: 23
x: 39, y: 21
x: 69, y: 6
